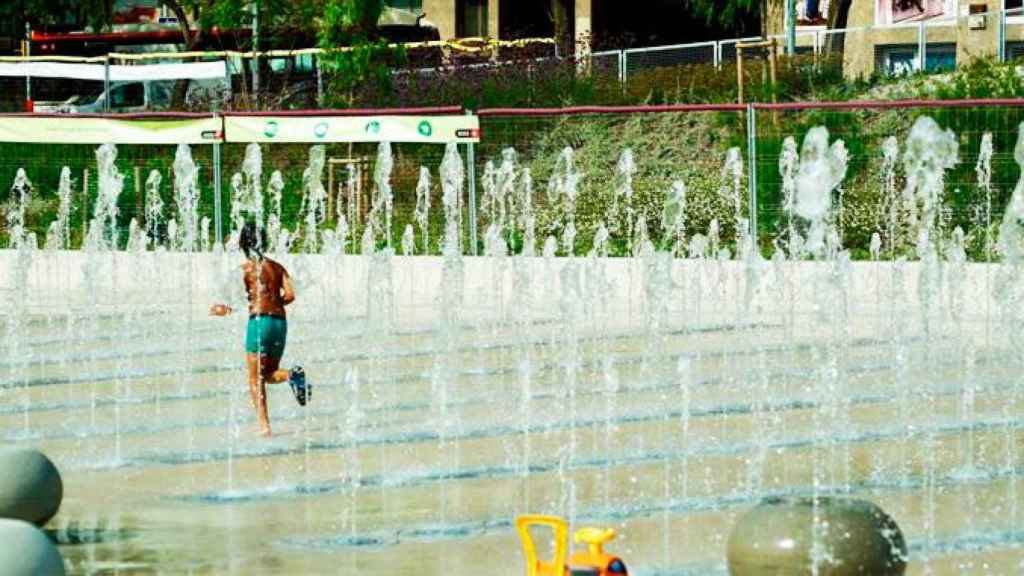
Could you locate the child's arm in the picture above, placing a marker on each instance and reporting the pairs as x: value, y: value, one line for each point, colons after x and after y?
x: 229, y: 292
x: 287, y: 290
x: 220, y: 310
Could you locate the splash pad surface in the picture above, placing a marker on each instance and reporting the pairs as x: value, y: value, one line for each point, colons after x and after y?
x: 424, y: 443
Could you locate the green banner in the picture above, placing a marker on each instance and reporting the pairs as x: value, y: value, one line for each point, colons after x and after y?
x: 313, y: 129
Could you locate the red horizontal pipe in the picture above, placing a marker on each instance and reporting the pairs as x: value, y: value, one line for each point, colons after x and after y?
x: 113, y: 116
x: 166, y: 36
x: 493, y: 112
x: 893, y: 104
x: 356, y: 112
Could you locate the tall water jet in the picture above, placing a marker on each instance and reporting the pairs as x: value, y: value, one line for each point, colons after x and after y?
x: 453, y: 177
x: 421, y: 214
x: 24, y: 243
x: 822, y: 168
x: 204, y: 234
x: 930, y: 152
x: 505, y: 184
x: 789, y: 164
x: 314, y: 199
x: 562, y: 191
x: 451, y: 302
x: 600, y: 242
x: 247, y: 193
x: 58, y: 236
x: 526, y: 218
x: 186, y: 196
x: 622, y: 219
x: 673, y: 217
x: 21, y: 192
x: 137, y: 240
x: 102, y: 233
x: 154, y: 206
x: 732, y: 191
x: 353, y: 203
x: 383, y: 201
x: 1009, y: 295
x: 1011, y: 229
x: 278, y: 237
x: 252, y: 174
x: 499, y: 188
x: 983, y: 169
x: 408, y: 241
x: 489, y: 199
x: 891, y: 199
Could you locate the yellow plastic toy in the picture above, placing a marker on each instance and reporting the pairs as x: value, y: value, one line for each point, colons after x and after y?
x: 593, y: 561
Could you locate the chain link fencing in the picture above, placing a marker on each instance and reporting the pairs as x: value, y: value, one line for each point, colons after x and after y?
x: 616, y: 168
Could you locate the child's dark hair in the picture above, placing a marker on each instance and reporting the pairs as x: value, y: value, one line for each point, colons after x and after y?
x: 252, y: 240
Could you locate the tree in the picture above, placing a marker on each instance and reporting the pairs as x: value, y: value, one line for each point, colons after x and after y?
x: 725, y: 12
x: 354, y: 54
x: 278, y: 19
x: 41, y: 14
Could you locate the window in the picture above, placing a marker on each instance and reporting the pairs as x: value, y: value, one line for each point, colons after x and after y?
x: 128, y: 95
x: 413, y: 5
x: 472, y: 16
x: 898, y: 60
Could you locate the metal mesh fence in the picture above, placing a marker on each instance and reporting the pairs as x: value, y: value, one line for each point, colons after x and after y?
x: 611, y: 168
x: 43, y: 165
x: 348, y: 179
x: 661, y: 56
x: 623, y: 164
x: 607, y: 64
x: 874, y: 196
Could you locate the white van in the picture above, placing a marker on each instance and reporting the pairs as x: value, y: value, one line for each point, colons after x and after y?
x: 138, y: 96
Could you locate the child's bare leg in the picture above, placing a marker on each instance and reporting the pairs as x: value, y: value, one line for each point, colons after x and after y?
x: 272, y: 374
x: 258, y: 394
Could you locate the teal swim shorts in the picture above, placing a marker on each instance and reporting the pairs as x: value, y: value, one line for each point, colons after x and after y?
x: 266, y: 335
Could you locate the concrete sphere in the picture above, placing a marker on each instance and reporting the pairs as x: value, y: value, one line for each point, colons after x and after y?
x: 30, y: 486
x: 776, y: 538
x: 26, y: 551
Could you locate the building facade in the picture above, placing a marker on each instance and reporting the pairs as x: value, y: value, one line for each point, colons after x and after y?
x: 504, y: 19
x: 886, y: 36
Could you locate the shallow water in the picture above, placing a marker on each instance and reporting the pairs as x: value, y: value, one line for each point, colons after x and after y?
x: 421, y: 445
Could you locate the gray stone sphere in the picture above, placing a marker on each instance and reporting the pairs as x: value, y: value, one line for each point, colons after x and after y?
x: 30, y: 486
x: 26, y: 551
x: 856, y: 538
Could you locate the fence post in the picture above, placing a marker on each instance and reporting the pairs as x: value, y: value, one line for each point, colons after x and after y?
x: 752, y: 172
x: 717, y: 49
x: 218, y: 210
x: 319, y: 81
x: 256, y: 53
x: 1001, y: 34
x: 106, y: 84
x: 28, y: 53
x: 790, y: 7
x: 922, y: 47
x: 471, y: 161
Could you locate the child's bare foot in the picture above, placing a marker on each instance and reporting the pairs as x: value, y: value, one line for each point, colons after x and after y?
x: 265, y: 431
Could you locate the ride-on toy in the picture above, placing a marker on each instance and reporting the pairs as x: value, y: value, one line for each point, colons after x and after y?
x: 589, y: 562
